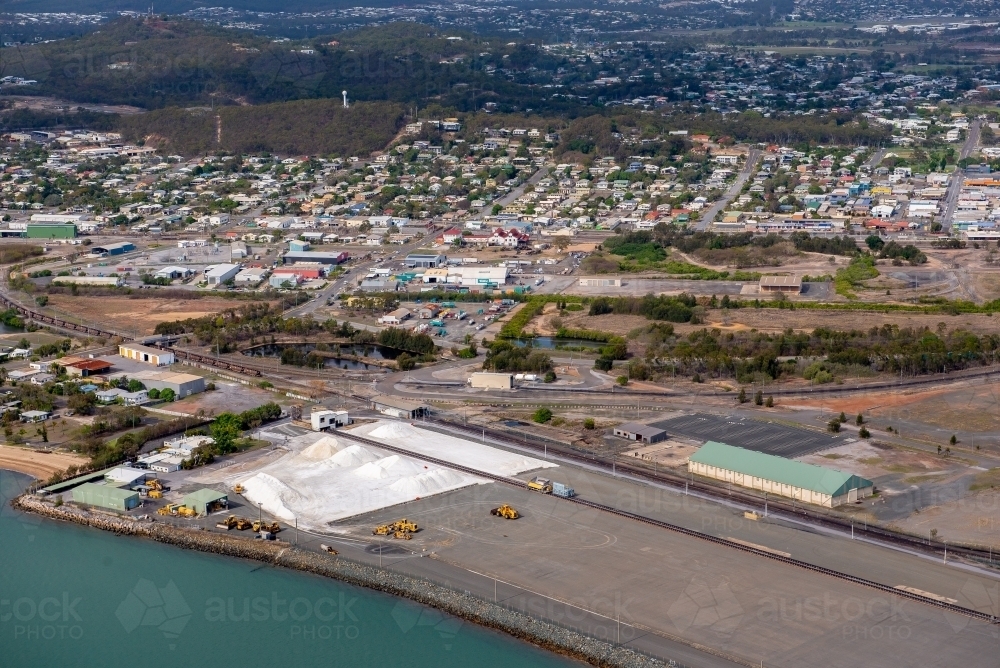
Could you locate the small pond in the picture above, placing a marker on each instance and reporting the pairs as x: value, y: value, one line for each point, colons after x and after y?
x: 557, y: 343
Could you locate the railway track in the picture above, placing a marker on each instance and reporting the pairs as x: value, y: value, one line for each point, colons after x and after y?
x: 35, y: 316
x: 766, y: 554
x: 680, y: 482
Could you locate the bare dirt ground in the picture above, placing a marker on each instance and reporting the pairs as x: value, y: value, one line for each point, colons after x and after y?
x: 227, y: 396
x: 141, y: 315
x: 772, y: 320
x: 38, y: 464
x: 974, y: 519
x: 972, y: 409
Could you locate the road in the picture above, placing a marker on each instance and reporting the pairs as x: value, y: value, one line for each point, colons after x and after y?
x: 876, y: 159
x: 516, y: 192
x: 345, y: 282
x: 748, y: 169
x: 955, y: 188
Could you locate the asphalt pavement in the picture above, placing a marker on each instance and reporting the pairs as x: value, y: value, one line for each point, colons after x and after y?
x: 748, y: 169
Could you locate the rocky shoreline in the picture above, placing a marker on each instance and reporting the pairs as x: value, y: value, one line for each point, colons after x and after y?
x: 468, y: 607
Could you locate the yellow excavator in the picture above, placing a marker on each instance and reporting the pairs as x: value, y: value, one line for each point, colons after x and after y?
x: 506, y: 512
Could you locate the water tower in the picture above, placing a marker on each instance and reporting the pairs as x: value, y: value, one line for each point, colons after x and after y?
x: 344, y: 93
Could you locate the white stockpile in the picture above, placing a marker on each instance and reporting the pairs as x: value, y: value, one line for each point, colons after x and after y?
x: 449, y: 448
x: 325, y: 479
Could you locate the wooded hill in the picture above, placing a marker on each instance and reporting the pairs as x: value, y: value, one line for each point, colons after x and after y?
x: 313, y: 127
x: 160, y: 62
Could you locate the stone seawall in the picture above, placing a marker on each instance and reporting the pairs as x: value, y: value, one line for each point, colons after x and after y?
x: 471, y: 608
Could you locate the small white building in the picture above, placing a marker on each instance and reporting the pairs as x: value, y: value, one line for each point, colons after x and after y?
x: 492, y: 381
x: 395, y: 317
x: 323, y: 420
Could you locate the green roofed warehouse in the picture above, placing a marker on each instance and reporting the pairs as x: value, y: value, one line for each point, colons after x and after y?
x: 777, y: 475
x: 206, y: 501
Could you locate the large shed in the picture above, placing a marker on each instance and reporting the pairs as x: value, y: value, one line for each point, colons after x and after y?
x: 106, y: 496
x: 206, y: 501
x: 400, y: 408
x: 776, y: 475
x: 644, y: 433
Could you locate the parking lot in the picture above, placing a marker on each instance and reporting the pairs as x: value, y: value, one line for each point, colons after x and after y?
x: 766, y: 437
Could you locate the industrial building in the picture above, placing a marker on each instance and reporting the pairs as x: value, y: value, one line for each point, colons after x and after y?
x: 323, y: 419
x: 400, y: 408
x: 600, y: 282
x: 84, y: 368
x: 791, y: 285
x: 155, y: 356
x: 182, y: 384
x: 492, y: 381
x: 221, y: 273
x: 106, y: 281
x: 292, y: 257
x: 644, y: 433
x: 106, y: 496
x: 425, y: 260
x: 776, y: 475
x: 114, y: 249
x: 206, y: 501
x: 50, y: 231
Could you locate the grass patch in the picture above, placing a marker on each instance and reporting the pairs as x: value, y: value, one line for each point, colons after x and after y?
x: 920, y: 479
x: 834, y: 456
x: 986, y: 480
x: 861, y: 268
x: 870, y: 461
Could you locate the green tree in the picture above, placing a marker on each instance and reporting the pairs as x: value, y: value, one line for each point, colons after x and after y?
x: 542, y: 415
x: 758, y: 398
x: 167, y: 394
x: 860, y: 420
x: 225, y: 430
x: 863, y: 432
x: 588, y: 423
x: 742, y: 396
x: 770, y: 402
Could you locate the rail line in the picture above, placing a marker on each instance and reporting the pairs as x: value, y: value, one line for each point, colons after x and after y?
x: 513, y: 482
x: 97, y: 331
x: 774, y: 503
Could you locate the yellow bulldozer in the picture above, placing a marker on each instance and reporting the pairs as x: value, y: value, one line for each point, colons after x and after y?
x: 543, y: 485
x: 228, y: 523
x: 239, y: 489
x: 404, y: 525
x: 506, y: 512
x: 242, y: 524
x: 381, y: 530
x: 402, y: 535
x: 261, y: 525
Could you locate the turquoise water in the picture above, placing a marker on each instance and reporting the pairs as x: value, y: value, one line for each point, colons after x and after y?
x: 73, y: 596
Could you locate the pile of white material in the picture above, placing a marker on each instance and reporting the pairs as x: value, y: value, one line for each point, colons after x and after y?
x: 449, y: 448
x: 330, y: 479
